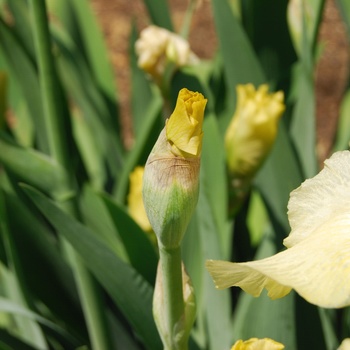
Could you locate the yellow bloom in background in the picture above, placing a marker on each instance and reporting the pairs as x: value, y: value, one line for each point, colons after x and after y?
x: 253, y: 129
x: 184, y: 127
x: 257, y: 344
x: 158, y: 46
x: 135, y: 201
x: 317, y: 261
x: 171, y: 178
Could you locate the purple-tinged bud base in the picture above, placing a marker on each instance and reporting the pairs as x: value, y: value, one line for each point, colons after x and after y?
x: 170, y: 192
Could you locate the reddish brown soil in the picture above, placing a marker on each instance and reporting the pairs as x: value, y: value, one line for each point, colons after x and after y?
x: 331, y: 75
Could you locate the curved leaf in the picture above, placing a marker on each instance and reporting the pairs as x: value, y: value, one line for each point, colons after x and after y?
x: 127, y: 288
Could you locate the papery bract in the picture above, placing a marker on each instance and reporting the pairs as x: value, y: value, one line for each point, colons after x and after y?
x: 183, y: 325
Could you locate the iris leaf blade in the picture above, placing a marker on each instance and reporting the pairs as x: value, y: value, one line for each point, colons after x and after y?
x: 127, y: 288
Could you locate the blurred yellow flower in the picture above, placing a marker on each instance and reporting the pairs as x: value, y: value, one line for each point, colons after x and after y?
x: 157, y: 46
x: 317, y: 261
x: 257, y: 344
x: 135, y: 202
x: 252, y: 130
x: 171, y: 178
x: 184, y: 127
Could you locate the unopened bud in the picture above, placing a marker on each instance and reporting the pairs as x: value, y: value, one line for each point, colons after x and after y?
x: 171, y: 177
x: 253, y: 129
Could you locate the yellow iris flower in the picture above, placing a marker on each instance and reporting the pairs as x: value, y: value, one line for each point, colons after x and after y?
x: 253, y: 129
x: 257, y: 344
x: 317, y: 261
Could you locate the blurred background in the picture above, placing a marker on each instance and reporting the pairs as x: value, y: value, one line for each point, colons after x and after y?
x: 332, y: 68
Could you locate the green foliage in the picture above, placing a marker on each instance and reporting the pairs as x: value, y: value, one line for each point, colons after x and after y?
x: 76, y: 270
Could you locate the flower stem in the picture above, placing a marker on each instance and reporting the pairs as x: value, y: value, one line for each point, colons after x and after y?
x: 57, y: 148
x: 170, y: 261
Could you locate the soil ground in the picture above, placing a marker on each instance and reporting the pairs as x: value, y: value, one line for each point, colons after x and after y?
x: 331, y: 74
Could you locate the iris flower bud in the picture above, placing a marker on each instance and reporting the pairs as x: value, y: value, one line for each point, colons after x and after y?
x: 249, y: 138
x: 253, y: 129
x: 171, y: 178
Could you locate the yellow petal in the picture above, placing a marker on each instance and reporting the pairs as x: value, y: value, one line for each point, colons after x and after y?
x: 226, y: 274
x: 319, y: 199
x: 345, y: 345
x: 317, y: 268
x: 317, y: 264
x: 135, y: 202
x: 184, y: 127
x: 257, y: 344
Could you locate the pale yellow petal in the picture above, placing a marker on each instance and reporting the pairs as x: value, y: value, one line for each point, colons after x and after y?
x: 318, y: 268
x: 319, y: 199
x: 226, y: 274
x: 257, y: 344
x: 345, y: 345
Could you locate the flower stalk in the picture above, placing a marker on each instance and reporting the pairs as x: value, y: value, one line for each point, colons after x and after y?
x: 174, y: 306
x: 170, y: 194
x: 170, y: 262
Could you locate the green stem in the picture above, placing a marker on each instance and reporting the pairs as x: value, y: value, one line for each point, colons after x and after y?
x: 55, y: 130
x: 170, y: 261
